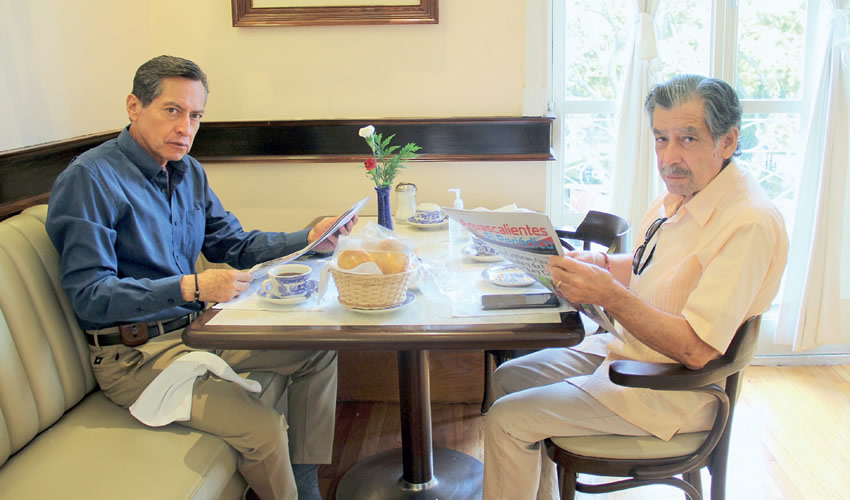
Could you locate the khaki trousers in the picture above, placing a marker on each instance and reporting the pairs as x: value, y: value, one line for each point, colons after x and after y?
x: 535, y: 403
x: 266, y: 445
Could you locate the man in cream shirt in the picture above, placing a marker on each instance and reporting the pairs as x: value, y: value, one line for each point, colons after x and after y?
x: 710, y: 255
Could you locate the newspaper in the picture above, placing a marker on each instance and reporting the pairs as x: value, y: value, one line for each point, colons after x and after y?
x: 260, y: 270
x: 526, y: 239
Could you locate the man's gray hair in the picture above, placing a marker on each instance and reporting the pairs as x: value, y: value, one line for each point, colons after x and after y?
x: 722, y: 108
x: 147, y: 84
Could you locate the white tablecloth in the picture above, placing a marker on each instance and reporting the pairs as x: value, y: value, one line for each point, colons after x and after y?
x: 449, y: 293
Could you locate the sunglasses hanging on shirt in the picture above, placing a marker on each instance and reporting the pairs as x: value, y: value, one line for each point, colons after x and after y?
x: 637, y: 268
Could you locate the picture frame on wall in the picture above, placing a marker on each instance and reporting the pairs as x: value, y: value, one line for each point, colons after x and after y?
x: 260, y: 13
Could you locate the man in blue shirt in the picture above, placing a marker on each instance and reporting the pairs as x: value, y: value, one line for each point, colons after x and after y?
x: 129, y: 219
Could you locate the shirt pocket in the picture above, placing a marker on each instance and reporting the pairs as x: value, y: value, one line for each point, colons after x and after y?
x: 192, y: 237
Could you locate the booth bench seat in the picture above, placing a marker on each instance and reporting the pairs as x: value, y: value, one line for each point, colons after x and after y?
x: 60, y: 437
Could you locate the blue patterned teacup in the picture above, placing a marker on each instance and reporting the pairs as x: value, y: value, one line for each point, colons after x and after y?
x: 482, y: 248
x: 288, y: 281
x: 428, y: 213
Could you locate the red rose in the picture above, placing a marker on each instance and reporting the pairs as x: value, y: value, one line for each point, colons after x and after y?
x: 370, y: 164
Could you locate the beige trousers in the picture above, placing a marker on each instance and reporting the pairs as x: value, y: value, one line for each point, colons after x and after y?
x: 266, y: 445
x: 535, y: 403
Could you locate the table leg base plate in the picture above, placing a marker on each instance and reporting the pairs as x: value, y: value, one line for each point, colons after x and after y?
x: 457, y: 476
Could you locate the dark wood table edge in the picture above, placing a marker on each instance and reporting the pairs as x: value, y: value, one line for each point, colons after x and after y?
x: 202, y: 335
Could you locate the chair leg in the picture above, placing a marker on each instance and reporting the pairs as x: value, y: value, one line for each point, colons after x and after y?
x: 487, y: 399
x: 568, y: 483
x: 718, y: 481
x: 719, y: 464
x: 694, y: 479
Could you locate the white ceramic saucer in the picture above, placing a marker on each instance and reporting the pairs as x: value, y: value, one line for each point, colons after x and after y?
x: 432, y: 225
x: 470, y: 252
x: 507, y: 275
x: 312, y: 288
x: 407, y: 300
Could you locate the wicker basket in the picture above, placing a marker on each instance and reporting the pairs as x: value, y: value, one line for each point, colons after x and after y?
x: 371, y: 291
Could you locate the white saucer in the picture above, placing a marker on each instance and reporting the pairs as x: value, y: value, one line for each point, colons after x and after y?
x: 433, y: 225
x: 407, y: 300
x: 472, y: 254
x: 312, y: 288
x: 507, y: 275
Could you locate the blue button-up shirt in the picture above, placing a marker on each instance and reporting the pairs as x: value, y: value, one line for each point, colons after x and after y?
x: 127, y: 231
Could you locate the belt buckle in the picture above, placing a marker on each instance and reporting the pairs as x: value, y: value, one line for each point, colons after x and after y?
x: 133, y: 334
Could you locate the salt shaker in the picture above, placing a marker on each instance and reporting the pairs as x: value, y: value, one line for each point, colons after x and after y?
x: 406, y: 200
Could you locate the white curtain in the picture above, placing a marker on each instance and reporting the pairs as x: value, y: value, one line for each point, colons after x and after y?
x: 634, y: 167
x: 815, y: 304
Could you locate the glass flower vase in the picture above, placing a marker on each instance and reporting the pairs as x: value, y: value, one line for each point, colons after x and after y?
x: 385, y: 217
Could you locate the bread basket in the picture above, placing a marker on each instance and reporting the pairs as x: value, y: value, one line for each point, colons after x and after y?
x: 371, y: 291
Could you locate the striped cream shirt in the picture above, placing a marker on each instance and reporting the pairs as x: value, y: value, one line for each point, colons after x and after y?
x: 718, y: 260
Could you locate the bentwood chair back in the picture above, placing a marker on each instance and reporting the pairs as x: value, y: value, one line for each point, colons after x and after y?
x: 608, y: 230
x: 601, y: 228
x: 645, y: 460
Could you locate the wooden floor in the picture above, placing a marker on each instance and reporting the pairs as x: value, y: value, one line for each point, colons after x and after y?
x: 791, y: 437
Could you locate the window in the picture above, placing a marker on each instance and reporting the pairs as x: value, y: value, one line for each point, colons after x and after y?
x: 769, y: 50
x: 773, y: 36
x: 761, y: 46
x: 594, y: 40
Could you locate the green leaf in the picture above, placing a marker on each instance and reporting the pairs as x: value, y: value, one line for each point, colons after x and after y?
x: 389, y: 158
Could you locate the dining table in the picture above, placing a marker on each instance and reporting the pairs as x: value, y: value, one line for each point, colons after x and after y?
x: 442, y: 313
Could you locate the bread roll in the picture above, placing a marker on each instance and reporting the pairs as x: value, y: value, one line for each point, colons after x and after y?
x: 390, y: 262
x: 352, y: 257
x: 391, y: 245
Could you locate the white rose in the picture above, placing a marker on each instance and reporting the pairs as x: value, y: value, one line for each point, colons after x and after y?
x: 367, y: 131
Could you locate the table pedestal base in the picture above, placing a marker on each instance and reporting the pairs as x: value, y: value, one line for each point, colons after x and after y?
x: 457, y: 476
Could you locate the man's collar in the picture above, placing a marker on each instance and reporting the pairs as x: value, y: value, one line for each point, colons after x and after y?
x: 703, y: 204
x: 145, y: 163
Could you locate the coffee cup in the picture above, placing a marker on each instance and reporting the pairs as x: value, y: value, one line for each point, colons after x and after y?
x: 288, y: 281
x: 428, y: 213
x: 482, y: 248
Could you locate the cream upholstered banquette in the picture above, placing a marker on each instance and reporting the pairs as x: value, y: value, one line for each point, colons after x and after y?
x: 60, y: 437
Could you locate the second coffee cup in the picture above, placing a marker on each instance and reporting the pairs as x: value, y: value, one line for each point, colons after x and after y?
x: 482, y: 248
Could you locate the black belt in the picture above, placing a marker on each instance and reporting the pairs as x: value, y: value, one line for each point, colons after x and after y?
x: 111, y: 335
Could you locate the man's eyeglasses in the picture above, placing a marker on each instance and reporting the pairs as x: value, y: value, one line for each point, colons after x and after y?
x: 637, y: 268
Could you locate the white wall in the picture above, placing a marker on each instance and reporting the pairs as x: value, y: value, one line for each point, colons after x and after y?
x: 62, y: 78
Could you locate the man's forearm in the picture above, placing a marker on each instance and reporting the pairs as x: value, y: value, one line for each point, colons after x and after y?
x: 665, y: 333
x: 110, y: 300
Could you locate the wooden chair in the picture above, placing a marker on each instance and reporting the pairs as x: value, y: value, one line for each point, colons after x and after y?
x: 601, y: 228
x: 648, y: 460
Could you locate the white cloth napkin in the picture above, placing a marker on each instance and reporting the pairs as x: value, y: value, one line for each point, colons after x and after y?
x: 169, y: 397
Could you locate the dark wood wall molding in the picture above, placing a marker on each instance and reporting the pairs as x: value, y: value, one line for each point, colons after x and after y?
x: 27, y: 174
x: 464, y: 139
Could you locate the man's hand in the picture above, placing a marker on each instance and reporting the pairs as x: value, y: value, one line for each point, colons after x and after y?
x: 330, y: 242
x: 585, y: 256
x: 216, y: 285
x: 580, y: 279
x: 620, y: 264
